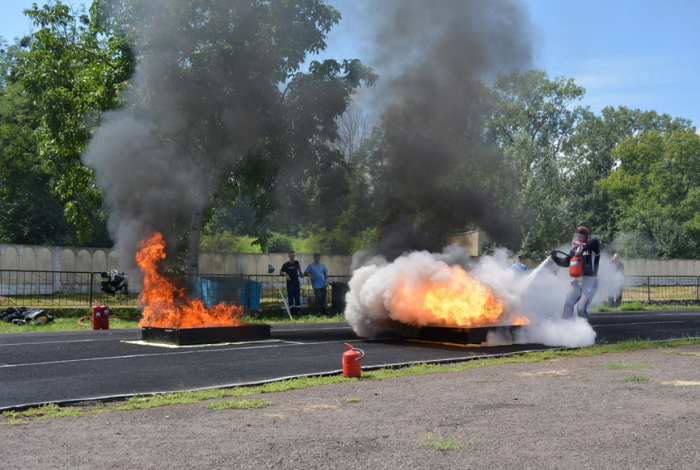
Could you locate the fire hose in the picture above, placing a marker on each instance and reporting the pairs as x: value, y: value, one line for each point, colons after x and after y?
x: 270, y: 270
x: 575, y: 265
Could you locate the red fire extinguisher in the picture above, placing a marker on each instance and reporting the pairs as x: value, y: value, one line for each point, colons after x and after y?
x: 96, y: 316
x: 352, y: 367
x: 575, y: 265
x: 105, y: 316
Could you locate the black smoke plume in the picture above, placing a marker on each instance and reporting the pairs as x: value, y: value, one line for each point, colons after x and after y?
x: 435, y: 60
x: 207, y: 96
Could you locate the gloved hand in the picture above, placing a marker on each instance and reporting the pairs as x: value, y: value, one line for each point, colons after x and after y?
x: 553, y: 253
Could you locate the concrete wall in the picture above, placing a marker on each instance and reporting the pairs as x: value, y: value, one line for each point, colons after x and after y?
x: 470, y: 241
x: 257, y: 263
x: 58, y: 258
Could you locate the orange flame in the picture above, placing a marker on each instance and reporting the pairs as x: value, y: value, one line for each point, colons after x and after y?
x: 452, y: 298
x: 165, y: 305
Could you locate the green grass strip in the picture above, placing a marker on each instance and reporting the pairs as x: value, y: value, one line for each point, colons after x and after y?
x: 238, y: 404
x: 620, y: 366
x: 636, y: 378
x: 635, y: 306
x: 43, y: 412
x: 307, y: 316
x: 67, y: 320
x: 437, y: 442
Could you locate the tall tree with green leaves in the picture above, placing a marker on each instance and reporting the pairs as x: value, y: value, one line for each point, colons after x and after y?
x: 218, y: 93
x: 533, y: 120
x: 429, y: 170
x: 656, y: 194
x: 77, y: 64
x: 590, y: 158
x: 30, y: 211
x: 218, y: 107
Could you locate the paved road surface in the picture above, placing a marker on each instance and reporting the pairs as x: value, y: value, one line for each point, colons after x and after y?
x: 70, y: 366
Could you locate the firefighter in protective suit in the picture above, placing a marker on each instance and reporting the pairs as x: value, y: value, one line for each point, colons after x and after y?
x: 582, y: 288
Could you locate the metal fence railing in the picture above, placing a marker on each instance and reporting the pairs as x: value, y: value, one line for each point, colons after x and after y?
x: 257, y: 292
x: 59, y: 289
x: 660, y: 288
x: 80, y: 289
x: 272, y: 288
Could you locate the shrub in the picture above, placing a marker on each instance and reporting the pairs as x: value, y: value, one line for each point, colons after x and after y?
x: 280, y: 244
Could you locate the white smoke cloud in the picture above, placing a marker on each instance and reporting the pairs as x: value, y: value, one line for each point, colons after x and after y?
x: 375, y: 302
x: 550, y: 332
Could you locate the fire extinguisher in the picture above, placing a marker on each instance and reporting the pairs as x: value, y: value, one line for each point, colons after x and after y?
x: 352, y: 367
x: 96, y: 317
x: 575, y: 265
x: 105, y: 316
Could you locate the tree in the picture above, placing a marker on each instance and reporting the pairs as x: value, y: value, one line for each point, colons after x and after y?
x: 334, y: 223
x: 354, y: 127
x: 656, y: 192
x: 220, y: 87
x: 76, y: 66
x: 533, y: 122
x: 590, y: 158
x: 428, y: 171
x: 218, y: 99
x: 311, y: 173
x: 30, y: 212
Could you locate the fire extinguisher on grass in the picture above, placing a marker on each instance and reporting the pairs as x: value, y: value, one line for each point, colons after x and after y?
x: 100, y: 316
x: 352, y: 367
x: 105, y: 316
x: 96, y: 316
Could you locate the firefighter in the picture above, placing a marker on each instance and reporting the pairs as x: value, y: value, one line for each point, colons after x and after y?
x: 582, y: 288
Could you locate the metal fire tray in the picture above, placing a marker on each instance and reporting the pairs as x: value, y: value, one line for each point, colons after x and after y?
x: 463, y: 335
x: 208, y: 335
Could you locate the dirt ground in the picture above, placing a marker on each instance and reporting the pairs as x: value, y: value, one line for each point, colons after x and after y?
x: 572, y: 413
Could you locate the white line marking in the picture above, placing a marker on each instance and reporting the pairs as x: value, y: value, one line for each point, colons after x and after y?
x: 131, y: 356
x: 313, y: 329
x: 58, y: 342
x: 122, y: 339
x: 630, y: 315
x: 641, y: 323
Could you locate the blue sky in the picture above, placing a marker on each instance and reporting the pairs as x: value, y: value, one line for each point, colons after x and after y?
x: 638, y: 53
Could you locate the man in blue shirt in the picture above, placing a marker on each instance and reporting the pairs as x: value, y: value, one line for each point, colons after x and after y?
x: 318, y: 273
x: 518, y: 265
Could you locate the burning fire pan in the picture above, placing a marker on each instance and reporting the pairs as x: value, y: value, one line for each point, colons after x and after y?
x: 464, y: 335
x: 208, y: 335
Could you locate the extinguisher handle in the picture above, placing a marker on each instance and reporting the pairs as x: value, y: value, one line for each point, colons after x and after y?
x: 362, y: 353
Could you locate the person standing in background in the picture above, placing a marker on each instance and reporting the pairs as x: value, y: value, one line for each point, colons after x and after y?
x: 616, y: 279
x: 292, y: 271
x: 318, y: 273
x: 519, y: 266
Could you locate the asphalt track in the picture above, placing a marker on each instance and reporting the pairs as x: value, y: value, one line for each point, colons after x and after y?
x: 74, y: 366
